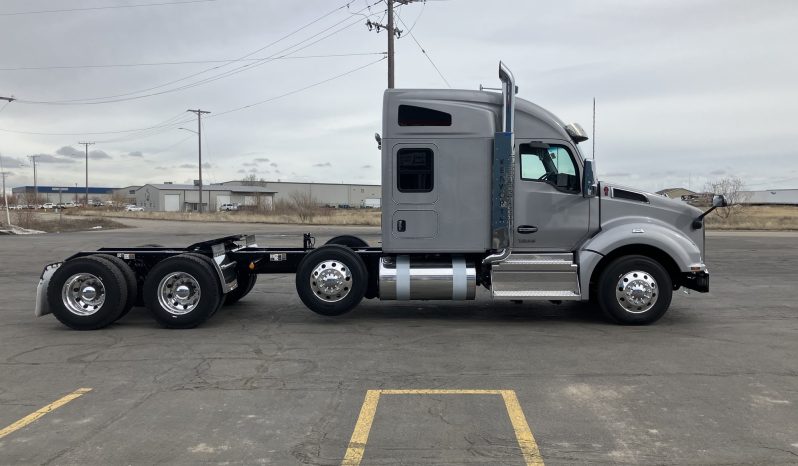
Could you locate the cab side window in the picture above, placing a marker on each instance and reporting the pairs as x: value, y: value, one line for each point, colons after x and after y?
x: 549, y: 164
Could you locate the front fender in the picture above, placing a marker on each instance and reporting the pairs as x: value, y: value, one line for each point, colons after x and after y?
x: 630, y: 231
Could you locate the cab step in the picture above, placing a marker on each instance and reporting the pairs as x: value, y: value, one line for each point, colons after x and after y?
x: 536, y: 276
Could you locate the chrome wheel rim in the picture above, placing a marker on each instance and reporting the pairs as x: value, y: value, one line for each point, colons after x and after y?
x: 331, y: 281
x: 179, y: 293
x: 83, y: 294
x: 637, y: 292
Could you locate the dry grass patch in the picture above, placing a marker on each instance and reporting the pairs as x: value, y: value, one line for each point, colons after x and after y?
x: 756, y: 218
x: 322, y: 217
x: 52, y: 224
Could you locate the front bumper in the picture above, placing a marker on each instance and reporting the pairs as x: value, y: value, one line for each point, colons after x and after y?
x: 698, y: 281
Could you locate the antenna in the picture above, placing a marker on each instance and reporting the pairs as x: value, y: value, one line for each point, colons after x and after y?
x: 594, y: 129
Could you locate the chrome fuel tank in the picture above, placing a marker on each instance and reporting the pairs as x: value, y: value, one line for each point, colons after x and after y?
x: 404, y: 278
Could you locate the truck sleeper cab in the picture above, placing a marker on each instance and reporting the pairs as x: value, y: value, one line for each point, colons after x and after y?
x: 478, y: 189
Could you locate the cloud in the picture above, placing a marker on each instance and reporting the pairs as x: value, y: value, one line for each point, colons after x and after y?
x: 262, y: 159
x: 273, y: 164
x: 321, y: 165
x: 253, y: 170
x: 366, y: 167
x: 47, y: 158
x: 617, y: 174
x: 718, y: 172
x: 135, y: 153
x: 241, y: 171
x: 70, y: 151
x: 98, y: 155
x: 249, y: 164
x: 10, y: 162
x: 187, y: 165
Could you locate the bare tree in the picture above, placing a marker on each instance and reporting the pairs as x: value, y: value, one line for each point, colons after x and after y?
x: 731, y: 188
x: 305, y: 206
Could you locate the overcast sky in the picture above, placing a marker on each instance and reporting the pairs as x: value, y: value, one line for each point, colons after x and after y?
x: 686, y: 90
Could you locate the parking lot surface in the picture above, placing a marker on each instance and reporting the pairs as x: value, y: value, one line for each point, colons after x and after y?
x: 266, y: 381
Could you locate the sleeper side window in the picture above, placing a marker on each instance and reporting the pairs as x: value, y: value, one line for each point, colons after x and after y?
x: 410, y: 115
x: 414, y: 170
x: 549, y: 164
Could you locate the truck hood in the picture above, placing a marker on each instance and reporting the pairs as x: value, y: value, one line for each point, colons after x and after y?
x: 622, y: 202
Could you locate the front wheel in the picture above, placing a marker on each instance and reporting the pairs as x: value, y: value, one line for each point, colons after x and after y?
x: 635, y: 290
x: 331, y: 280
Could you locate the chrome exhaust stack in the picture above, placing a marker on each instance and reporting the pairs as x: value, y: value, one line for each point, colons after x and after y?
x: 503, y: 173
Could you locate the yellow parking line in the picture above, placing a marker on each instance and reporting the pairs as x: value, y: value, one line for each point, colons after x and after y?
x: 357, y: 444
x: 523, y: 434
x: 41, y: 412
x: 529, y: 447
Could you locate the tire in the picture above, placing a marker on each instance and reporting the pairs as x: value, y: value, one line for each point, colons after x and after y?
x: 344, y: 293
x: 211, y: 264
x: 246, y: 281
x: 198, y: 283
x: 87, y: 309
x: 130, y: 281
x: 635, y: 290
x: 348, y: 241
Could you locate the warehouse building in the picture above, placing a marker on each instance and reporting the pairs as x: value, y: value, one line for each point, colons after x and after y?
x: 170, y: 197
x: 770, y: 197
x: 327, y: 194
x: 56, y: 194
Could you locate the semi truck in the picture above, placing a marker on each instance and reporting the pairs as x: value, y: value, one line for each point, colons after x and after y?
x: 479, y: 189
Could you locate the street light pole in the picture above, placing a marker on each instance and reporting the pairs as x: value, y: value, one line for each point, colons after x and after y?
x: 4, y: 174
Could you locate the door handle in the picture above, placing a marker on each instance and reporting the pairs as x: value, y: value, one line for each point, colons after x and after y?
x: 401, y: 225
x: 526, y: 229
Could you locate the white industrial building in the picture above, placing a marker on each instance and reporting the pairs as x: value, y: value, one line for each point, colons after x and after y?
x: 330, y: 194
x: 169, y: 197
x: 773, y: 196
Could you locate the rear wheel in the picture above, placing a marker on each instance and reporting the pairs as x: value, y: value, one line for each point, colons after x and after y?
x: 635, y: 290
x: 246, y: 281
x: 348, y: 241
x: 182, y: 291
x: 87, y: 293
x: 331, y: 280
x: 130, y: 281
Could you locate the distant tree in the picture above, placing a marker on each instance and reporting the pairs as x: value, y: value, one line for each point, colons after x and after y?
x: 306, y: 207
x: 731, y: 188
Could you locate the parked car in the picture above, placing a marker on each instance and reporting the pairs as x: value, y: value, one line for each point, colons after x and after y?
x: 134, y: 208
x: 228, y: 207
x: 48, y: 205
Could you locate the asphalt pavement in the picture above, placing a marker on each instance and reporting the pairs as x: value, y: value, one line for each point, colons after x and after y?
x: 266, y: 381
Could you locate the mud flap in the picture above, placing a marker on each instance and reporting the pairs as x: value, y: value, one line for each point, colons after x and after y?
x: 42, y: 306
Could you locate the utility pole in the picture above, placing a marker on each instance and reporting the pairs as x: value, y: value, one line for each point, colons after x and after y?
x: 87, y: 144
x: 392, y: 31
x: 5, y: 197
x: 199, y: 114
x: 35, y: 183
x: 2, y: 173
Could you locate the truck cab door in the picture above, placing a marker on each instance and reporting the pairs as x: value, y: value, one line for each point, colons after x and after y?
x: 550, y: 213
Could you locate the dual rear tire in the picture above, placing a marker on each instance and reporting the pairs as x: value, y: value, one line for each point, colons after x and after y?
x: 89, y: 293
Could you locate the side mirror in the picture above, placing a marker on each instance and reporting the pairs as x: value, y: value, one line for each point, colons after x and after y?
x: 378, y: 139
x: 589, y: 186
x: 719, y: 200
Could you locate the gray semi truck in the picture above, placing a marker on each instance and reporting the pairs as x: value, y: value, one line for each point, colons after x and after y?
x: 479, y: 189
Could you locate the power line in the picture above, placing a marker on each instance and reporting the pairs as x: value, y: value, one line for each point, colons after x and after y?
x: 107, y: 7
x: 131, y: 95
x: 412, y: 36
x: 184, y: 62
x: 270, y: 99
x: 174, y: 121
